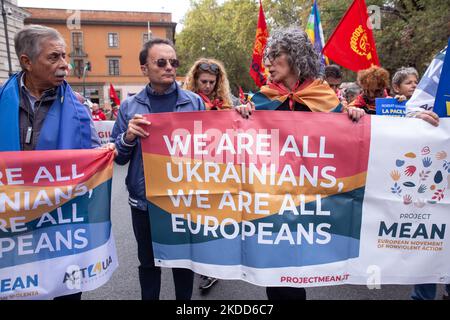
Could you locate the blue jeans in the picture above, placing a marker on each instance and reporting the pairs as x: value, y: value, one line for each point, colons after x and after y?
x: 426, y: 291
x: 149, y: 274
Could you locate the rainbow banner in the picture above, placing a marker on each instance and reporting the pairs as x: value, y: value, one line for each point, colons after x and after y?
x: 315, y: 32
x: 55, y: 226
x: 299, y: 199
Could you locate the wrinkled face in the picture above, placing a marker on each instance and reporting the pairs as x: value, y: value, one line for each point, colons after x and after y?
x: 407, y: 86
x: 334, y: 83
x: 206, y: 83
x: 50, y: 67
x: 160, y: 75
x: 278, y: 68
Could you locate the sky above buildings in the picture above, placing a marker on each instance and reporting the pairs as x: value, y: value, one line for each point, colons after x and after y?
x: 178, y: 8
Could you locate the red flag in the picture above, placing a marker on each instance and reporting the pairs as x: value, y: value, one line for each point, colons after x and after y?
x: 113, y: 95
x: 352, y: 44
x: 257, y: 71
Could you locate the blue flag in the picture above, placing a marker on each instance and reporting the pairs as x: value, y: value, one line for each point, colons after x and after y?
x: 426, y: 93
x: 442, y: 104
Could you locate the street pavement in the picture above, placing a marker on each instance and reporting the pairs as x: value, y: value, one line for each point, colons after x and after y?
x: 124, y: 284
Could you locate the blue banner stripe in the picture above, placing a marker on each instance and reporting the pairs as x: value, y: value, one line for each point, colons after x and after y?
x: 92, y: 208
x: 53, y: 242
x: 252, y: 254
x: 345, y: 220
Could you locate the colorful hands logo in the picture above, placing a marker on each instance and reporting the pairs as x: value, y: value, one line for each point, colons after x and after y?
x: 421, y: 180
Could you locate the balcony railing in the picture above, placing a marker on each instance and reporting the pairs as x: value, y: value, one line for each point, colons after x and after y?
x: 78, y: 52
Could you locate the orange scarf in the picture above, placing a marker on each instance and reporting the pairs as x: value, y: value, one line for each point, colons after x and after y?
x: 316, y: 95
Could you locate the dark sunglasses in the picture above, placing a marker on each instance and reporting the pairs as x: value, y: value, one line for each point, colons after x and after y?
x: 162, y: 63
x: 212, y: 67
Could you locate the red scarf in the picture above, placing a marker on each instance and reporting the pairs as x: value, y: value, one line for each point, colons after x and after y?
x: 285, y: 91
x: 216, y: 104
x: 361, y: 102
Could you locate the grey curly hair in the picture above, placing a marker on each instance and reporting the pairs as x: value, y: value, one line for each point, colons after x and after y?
x: 403, y: 73
x: 301, y: 56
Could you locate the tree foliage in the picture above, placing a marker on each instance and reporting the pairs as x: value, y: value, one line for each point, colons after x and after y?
x: 225, y: 32
x: 412, y: 31
x: 286, y: 13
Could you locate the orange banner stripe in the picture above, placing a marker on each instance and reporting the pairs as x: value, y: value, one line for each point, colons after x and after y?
x: 32, y: 214
x: 158, y: 184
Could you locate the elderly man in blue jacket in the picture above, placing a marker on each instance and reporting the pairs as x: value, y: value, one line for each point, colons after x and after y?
x: 38, y: 108
x: 162, y: 94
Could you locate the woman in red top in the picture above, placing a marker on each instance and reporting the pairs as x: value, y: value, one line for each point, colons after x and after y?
x: 374, y: 83
x: 97, y: 114
x: 208, y: 78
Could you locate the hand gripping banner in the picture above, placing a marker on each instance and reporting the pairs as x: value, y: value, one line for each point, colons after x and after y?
x: 55, y: 227
x: 299, y: 199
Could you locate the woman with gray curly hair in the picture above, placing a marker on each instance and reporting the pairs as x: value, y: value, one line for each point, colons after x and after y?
x: 294, y: 83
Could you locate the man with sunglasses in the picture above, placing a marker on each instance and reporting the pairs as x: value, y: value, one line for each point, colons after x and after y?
x: 158, y: 62
x: 333, y: 76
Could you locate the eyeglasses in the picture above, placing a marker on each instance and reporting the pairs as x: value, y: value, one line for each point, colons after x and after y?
x: 212, y: 67
x: 271, y: 55
x: 162, y: 63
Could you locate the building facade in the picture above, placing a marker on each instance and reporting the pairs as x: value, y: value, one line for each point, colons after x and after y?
x: 103, y: 46
x: 15, y: 17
